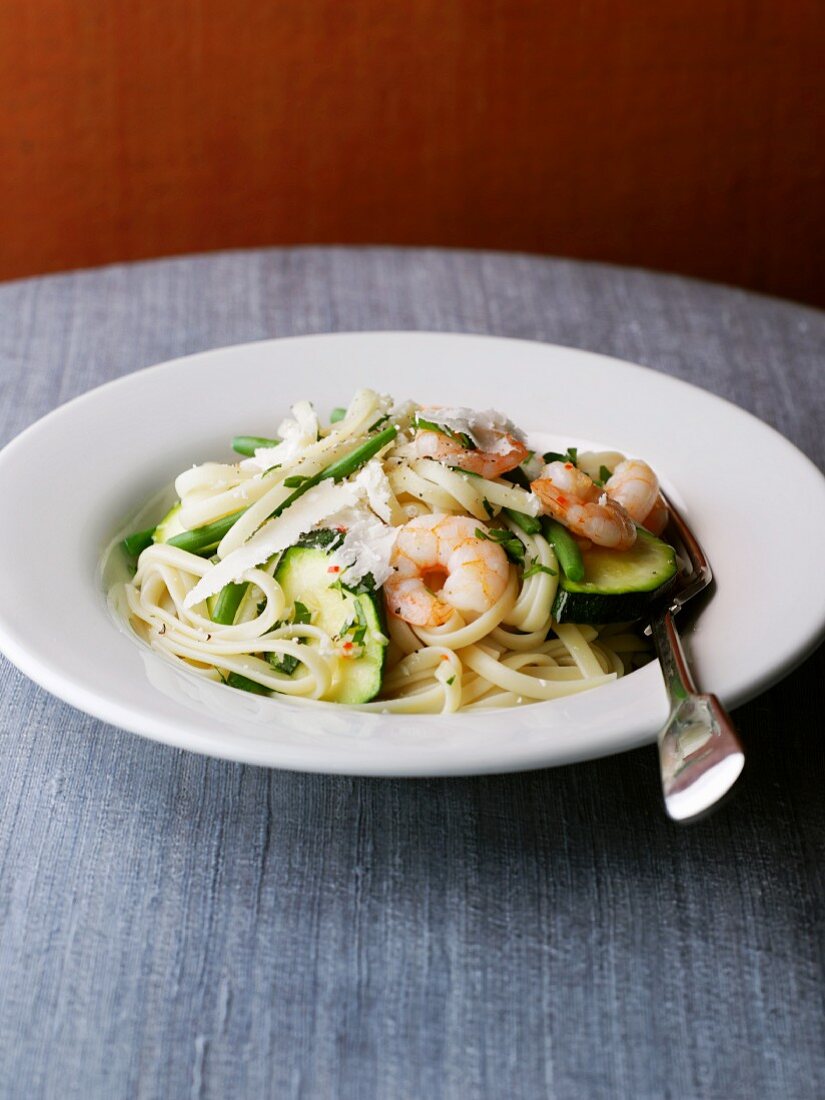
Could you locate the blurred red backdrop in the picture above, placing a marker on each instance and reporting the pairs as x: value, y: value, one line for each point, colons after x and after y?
x: 682, y: 136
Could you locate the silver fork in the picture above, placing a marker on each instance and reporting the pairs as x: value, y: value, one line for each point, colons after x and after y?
x: 700, y: 755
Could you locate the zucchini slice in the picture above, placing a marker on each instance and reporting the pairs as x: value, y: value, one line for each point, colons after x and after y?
x: 618, y: 585
x: 354, y: 619
x: 170, y: 525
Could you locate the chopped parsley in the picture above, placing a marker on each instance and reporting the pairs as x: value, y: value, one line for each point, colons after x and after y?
x: 365, y: 584
x: 284, y: 662
x: 442, y: 429
x: 536, y: 567
x: 355, y: 632
x: 301, y: 614
x: 287, y: 662
x: 571, y: 456
x: 510, y: 544
x: 518, y: 477
x: 325, y: 538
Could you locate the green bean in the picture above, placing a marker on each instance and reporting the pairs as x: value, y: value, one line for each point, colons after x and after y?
x: 336, y: 415
x: 203, y: 540
x: 351, y: 462
x: 343, y: 467
x: 136, y: 543
x: 228, y: 602
x: 566, y: 547
x: 248, y: 444
x: 529, y: 524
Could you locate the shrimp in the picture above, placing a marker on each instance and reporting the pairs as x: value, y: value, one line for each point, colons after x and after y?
x: 635, y: 486
x: 656, y: 519
x: 574, y: 499
x: 489, y: 464
x: 442, y: 566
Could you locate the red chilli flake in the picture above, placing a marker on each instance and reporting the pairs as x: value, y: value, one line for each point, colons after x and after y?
x: 334, y: 569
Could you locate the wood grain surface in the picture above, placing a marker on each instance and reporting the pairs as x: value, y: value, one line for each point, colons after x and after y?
x: 686, y: 137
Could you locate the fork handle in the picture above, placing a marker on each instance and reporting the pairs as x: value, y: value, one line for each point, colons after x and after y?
x: 700, y: 754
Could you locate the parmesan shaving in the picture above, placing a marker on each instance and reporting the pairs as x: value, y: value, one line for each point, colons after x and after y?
x: 275, y: 535
x: 372, y: 481
x: 488, y: 429
x: 367, y: 547
x: 297, y: 432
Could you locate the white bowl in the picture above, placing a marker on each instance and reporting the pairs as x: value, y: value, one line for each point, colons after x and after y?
x: 83, y: 474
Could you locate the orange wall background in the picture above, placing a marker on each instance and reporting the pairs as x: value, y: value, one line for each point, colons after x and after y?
x: 683, y: 136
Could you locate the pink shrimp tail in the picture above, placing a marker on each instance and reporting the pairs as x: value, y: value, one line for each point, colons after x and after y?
x: 491, y: 464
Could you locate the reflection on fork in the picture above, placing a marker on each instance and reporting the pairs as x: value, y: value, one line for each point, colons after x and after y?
x: 700, y: 755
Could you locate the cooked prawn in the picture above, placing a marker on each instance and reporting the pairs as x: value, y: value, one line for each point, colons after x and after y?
x: 656, y: 519
x: 489, y: 464
x: 574, y: 499
x: 636, y: 487
x: 442, y: 566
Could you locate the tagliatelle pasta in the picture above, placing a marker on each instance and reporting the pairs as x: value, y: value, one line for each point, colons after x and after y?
x: 396, y: 559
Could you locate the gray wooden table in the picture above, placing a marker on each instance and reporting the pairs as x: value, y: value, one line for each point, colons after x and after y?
x: 173, y: 926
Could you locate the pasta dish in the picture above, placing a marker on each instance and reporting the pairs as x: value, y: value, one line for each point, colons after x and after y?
x: 403, y: 558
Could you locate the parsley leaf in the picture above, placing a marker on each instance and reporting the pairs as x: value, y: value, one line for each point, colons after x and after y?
x: 359, y: 625
x: 324, y: 538
x: 518, y: 477
x: 301, y: 614
x: 571, y: 456
x: 442, y: 429
x: 536, y: 567
x: 285, y: 662
x: 356, y: 629
x: 512, y: 546
x: 366, y: 584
